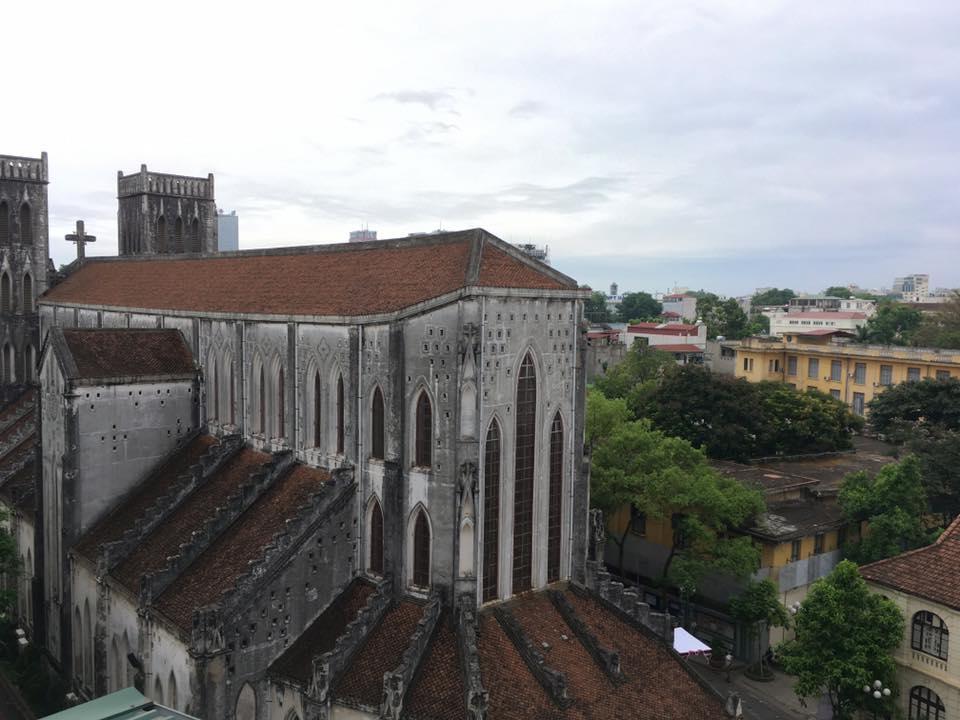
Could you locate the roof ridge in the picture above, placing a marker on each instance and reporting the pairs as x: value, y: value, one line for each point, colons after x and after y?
x: 953, y: 527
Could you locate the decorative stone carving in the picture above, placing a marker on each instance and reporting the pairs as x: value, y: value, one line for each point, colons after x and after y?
x: 469, y: 349
x: 467, y: 503
x: 477, y: 697
x: 598, y: 535
x: 553, y: 681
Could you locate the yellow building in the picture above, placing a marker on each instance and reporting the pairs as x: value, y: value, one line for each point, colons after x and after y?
x: 923, y: 584
x: 827, y: 361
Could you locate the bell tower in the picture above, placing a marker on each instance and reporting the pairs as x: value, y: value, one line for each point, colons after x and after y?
x: 162, y: 214
x: 24, y: 249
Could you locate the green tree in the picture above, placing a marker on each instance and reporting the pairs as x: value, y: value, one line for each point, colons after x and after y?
x: 638, y: 306
x: 938, y: 451
x: 840, y: 291
x: 892, y: 324
x: 893, y: 503
x: 773, y: 296
x: 604, y: 416
x: 667, y: 478
x: 636, y: 373
x: 723, y: 318
x: 898, y: 410
x: 803, y: 422
x: 595, y: 308
x: 845, y: 635
x: 942, y: 329
x: 759, y: 606
x: 759, y: 325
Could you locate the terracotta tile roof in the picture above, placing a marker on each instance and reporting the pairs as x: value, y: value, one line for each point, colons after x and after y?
x: 649, y: 328
x: 321, y: 635
x: 122, y: 518
x: 20, y: 488
x: 152, y: 553
x: 362, y: 684
x: 825, y: 315
x: 438, y: 691
x: 17, y: 406
x: 678, y: 348
x: 328, y: 280
x: 657, y: 687
x: 227, y: 557
x: 929, y: 572
x: 111, y: 353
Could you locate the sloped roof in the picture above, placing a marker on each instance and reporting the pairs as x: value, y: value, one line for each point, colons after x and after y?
x: 348, y: 279
x: 678, y: 348
x: 929, y: 572
x: 126, y: 704
x: 227, y: 558
x: 110, y: 353
x: 651, y: 328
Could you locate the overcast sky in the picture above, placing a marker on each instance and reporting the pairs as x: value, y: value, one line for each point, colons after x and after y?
x: 723, y: 144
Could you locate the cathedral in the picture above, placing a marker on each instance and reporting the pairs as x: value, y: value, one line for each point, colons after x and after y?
x: 331, y: 481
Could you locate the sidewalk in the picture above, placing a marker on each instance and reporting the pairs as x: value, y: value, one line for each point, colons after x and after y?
x: 774, y: 700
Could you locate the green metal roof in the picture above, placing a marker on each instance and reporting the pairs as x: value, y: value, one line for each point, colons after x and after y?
x: 123, y: 705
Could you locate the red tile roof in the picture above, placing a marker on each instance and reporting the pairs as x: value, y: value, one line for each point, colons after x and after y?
x: 819, y: 332
x: 678, y: 348
x: 321, y: 635
x: 657, y: 687
x: 438, y: 691
x: 929, y: 572
x: 327, y: 280
x: 362, y: 684
x: 227, y: 558
x: 152, y: 552
x: 136, y: 503
x: 17, y: 406
x: 825, y: 315
x: 650, y: 328
x: 112, y: 353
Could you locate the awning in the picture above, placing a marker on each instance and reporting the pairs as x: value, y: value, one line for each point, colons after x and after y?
x: 686, y: 644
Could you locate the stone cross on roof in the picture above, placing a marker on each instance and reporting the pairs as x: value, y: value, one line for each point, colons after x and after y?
x: 81, y: 239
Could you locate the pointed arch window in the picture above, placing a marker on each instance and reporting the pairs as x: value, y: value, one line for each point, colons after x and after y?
x: 262, y: 398
x: 213, y: 392
x: 376, y: 425
x: 423, y: 450
x: 340, y: 415
x: 4, y: 223
x: 281, y: 406
x: 317, y: 407
x: 525, y: 444
x: 233, y: 396
x: 491, y: 513
x: 8, y: 370
x: 421, y: 550
x: 27, y: 294
x: 555, y: 505
x: 161, y: 234
x: 376, y: 539
x: 195, y: 236
x: 30, y: 364
x: 26, y: 224
x: 178, y: 236
x: 6, y: 294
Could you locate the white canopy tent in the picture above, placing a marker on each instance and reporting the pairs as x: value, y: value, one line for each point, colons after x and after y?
x: 686, y: 644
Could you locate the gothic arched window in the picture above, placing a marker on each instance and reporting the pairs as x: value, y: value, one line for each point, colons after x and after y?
x: 525, y: 444
x: 376, y: 539
x: 9, y: 375
x: 262, y: 410
x: 376, y: 426
x: 491, y: 513
x: 26, y: 225
x: 162, y: 234
x: 29, y: 364
x: 421, y: 550
x: 195, y: 236
x: 27, y: 294
x: 4, y: 223
x: 925, y: 704
x: 423, y: 441
x: 6, y: 294
x: 555, y: 508
x: 230, y: 410
x: 178, y: 236
x: 340, y: 415
x: 317, y: 407
x: 213, y: 388
x: 281, y: 407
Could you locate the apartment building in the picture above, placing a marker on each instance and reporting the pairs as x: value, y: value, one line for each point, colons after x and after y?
x: 823, y: 359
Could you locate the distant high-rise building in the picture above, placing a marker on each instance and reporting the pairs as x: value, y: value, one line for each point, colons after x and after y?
x: 613, y: 289
x: 228, y: 231
x: 364, y: 235
x: 912, y: 286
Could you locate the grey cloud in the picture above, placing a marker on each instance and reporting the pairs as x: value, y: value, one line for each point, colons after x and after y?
x: 427, y: 132
x: 432, y: 99
x: 527, y: 109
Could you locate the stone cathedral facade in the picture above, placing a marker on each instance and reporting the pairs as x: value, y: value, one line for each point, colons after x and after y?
x: 340, y: 481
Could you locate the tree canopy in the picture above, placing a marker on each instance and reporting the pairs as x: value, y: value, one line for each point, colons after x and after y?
x: 667, y: 478
x: 942, y: 329
x: 840, y: 291
x: 900, y: 408
x: 636, y: 373
x: 845, y: 635
x: 638, y: 306
x: 733, y: 419
x: 892, y: 324
x: 893, y: 503
x: 723, y: 318
x: 595, y: 308
x: 773, y: 296
x: 759, y: 604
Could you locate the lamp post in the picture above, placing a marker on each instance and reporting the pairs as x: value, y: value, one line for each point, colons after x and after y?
x: 876, y: 693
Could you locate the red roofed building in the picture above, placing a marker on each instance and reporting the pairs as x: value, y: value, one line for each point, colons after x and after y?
x: 923, y: 584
